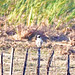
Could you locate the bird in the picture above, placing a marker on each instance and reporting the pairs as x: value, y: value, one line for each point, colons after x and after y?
x: 39, y: 41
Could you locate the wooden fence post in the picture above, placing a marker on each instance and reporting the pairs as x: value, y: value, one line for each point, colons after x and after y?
x: 2, y: 63
x: 38, y: 66
x: 11, y: 62
x: 25, y: 63
x: 68, y: 65
x: 49, y: 62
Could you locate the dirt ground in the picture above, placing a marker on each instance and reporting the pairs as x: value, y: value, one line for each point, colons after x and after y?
x: 57, y: 41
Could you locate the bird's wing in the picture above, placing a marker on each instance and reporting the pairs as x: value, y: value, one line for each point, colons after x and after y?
x: 41, y: 41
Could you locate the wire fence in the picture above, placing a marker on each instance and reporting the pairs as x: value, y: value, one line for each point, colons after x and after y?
x: 37, y: 62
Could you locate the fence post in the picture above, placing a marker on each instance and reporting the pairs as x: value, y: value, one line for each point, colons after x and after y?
x: 11, y: 62
x: 38, y: 66
x: 68, y: 65
x: 49, y: 62
x: 25, y: 63
x: 2, y: 63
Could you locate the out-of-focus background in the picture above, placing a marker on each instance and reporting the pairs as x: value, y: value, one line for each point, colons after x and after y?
x: 22, y: 20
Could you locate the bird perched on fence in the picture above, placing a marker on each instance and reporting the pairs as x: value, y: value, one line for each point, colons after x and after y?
x: 39, y: 41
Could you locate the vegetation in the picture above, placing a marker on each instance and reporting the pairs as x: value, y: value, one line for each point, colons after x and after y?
x: 36, y: 11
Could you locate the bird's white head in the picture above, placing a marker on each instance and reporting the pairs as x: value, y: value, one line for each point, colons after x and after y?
x: 38, y: 36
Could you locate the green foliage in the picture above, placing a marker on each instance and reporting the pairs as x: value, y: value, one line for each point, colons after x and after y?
x: 29, y: 11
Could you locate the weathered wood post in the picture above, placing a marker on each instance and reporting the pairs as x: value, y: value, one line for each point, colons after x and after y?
x: 68, y: 65
x: 2, y: 63
x: 49, y: 62
x: 38, y: 66
x: 25, y: 63
x: 11, y: 62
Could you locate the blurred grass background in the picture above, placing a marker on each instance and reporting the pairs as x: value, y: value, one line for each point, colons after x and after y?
x: 35, y: 11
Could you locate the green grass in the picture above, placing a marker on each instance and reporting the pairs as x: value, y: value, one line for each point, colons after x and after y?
x: 36, y: 11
